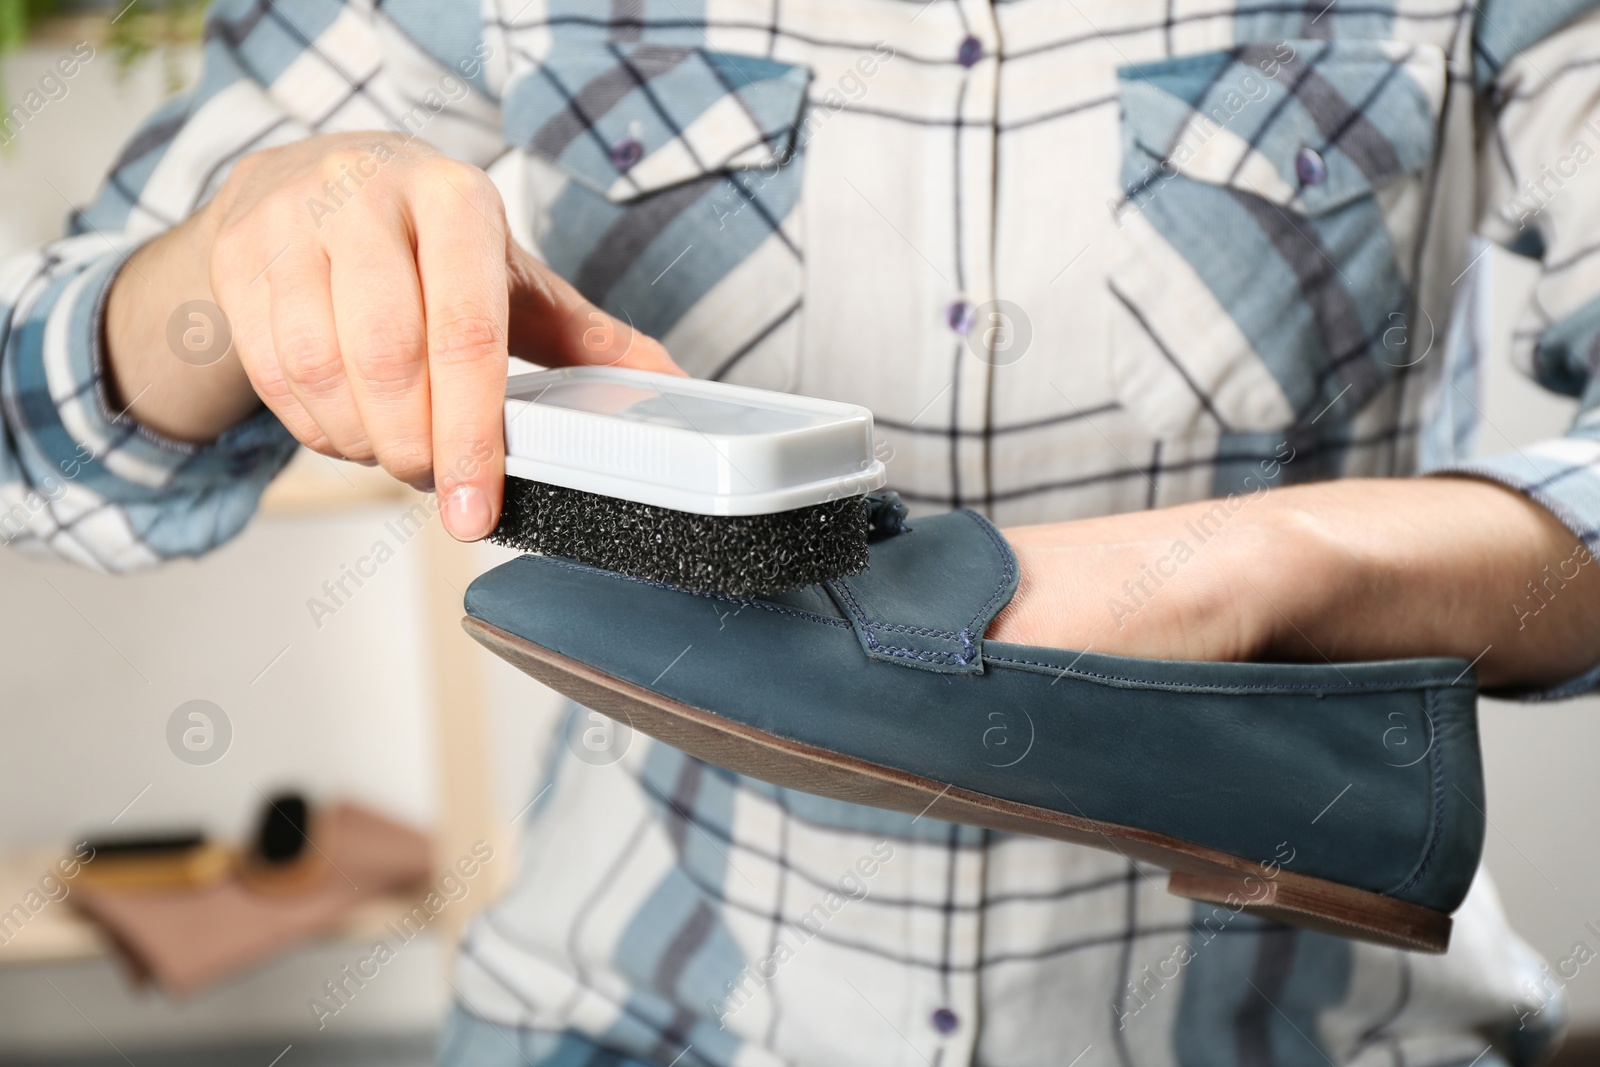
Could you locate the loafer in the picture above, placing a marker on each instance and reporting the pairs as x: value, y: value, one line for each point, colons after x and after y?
x: 1341, y: 798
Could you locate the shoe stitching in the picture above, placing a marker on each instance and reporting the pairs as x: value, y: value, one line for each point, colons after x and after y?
x: 868, y: 628
x: 1148, y: 683
x: 967, y: 636
x: 900, y: 652
x: 740, y: 600
x: 1436, y: 824
x: 920, y: 631
x: 1007, y: 557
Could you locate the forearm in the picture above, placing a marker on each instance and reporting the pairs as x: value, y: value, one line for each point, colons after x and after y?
x: 167, y: 356
x: 1363, y: 569
x: 1388, y: 568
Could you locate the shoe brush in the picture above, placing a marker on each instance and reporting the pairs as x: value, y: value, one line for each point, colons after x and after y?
x: 705, y: 486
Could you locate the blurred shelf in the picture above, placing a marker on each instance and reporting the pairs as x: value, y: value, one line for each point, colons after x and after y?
x: 56, y: 933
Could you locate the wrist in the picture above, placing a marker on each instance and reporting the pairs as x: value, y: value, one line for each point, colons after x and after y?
x: 162, y: 335
x: 1319, y: 586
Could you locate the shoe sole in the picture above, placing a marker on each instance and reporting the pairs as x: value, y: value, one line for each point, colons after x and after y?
x: 1195, y: 872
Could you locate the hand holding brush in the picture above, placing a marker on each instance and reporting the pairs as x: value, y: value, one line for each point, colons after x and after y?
x: 365, y: 288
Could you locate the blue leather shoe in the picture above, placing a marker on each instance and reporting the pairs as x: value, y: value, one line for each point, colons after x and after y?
x: 1343, y: 798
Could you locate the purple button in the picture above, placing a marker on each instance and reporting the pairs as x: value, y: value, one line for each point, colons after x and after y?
x: 625, y: 153
x: 970, y: 52
x: 1310, y: 168
x: 945, y: 1021
x: 959, y: 316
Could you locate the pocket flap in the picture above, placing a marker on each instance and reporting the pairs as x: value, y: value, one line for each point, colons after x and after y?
x: 1306, y: 124
x: 633, y: 119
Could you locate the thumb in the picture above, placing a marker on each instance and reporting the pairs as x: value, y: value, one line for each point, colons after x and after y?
x: 554, y: 325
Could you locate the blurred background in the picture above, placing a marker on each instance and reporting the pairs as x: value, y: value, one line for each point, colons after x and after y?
x: 385, y: 702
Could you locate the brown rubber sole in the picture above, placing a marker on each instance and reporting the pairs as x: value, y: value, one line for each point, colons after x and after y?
x: 1196, y: 873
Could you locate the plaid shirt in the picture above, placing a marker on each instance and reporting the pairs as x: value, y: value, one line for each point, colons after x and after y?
x: 1079, y: 256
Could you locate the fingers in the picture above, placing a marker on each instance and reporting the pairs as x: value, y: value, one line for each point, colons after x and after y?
x: 461, y: 257
x: 307, y: 349
x: 555, y: 325
x: 246, y: 301
x: 377, y: 302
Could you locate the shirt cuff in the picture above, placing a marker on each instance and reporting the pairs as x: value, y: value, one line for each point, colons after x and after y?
x: 1561, y: 475
x: 118, y: 493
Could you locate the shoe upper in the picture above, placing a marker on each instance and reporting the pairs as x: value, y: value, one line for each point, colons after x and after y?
x: 1366, y: 774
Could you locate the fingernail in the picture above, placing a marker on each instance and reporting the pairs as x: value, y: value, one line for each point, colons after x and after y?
x: 466, y: 513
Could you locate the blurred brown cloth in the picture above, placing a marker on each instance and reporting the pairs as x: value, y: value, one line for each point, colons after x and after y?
x: 188, y: 938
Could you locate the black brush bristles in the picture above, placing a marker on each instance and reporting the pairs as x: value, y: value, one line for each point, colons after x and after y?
x: 739, y: 555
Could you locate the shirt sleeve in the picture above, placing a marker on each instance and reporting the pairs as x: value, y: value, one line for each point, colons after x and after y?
x: 1538, y: 69
x: 84, y: 481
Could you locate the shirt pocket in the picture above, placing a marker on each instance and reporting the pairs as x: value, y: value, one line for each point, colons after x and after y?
x: 1273, y: 199
x: 667, y: 189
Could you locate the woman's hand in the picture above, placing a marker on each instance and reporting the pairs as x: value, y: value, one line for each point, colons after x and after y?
x: 373, y: 295
x: 1336, y: 572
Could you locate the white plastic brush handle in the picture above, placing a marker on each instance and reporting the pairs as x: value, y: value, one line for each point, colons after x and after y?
x: 681, y: 443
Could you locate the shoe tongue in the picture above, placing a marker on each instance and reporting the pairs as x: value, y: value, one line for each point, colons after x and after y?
x: 928, y: 593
